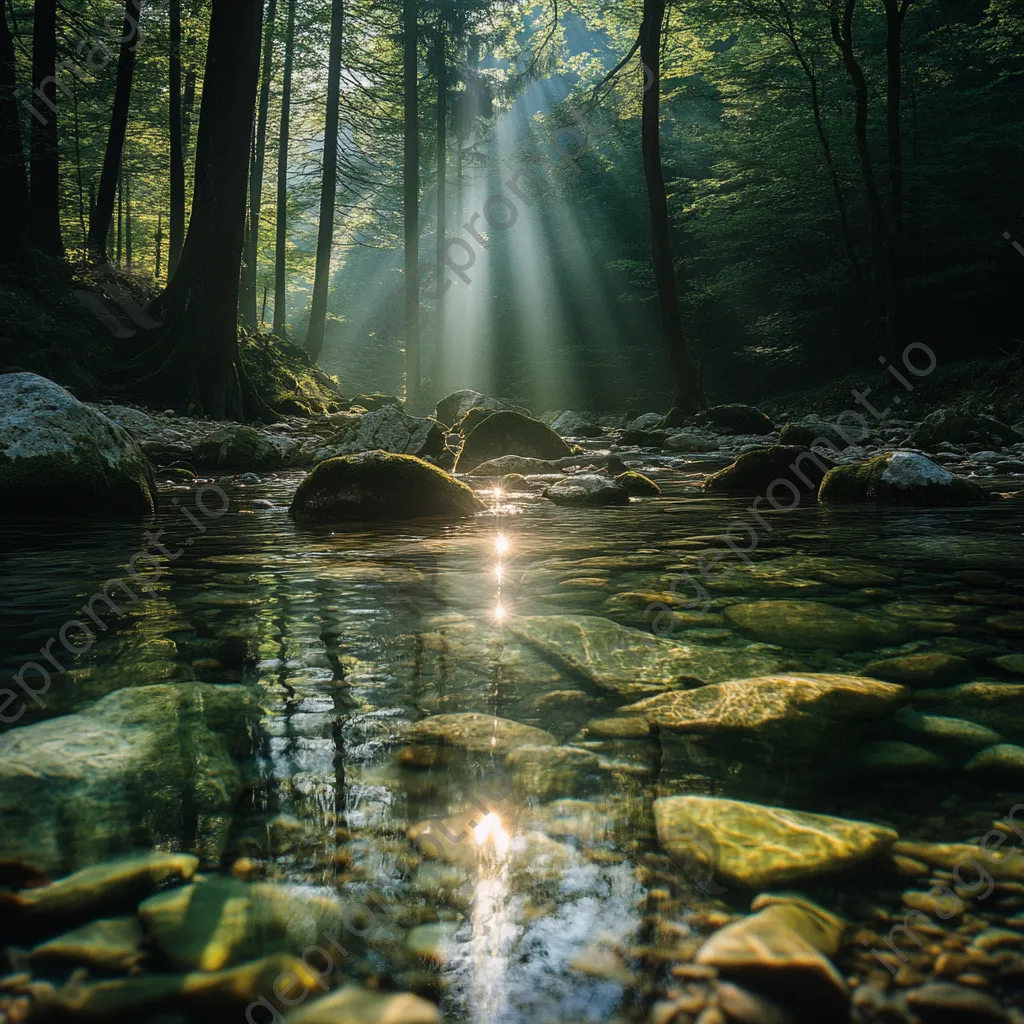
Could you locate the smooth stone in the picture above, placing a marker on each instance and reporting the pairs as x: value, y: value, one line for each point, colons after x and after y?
x: 638, y: 484
x: 817, y: 432
x: 506, y: 464
x: 941, y: 727
x: 630, y: 662
x: 935, y: 904
x: 898, y: 478
x: 949, y: 1003
x: 1011, y: 624
x: 755, y: 846
x: 547, y: 772
x: 237, y: 447
x: 742, y: 1006
x: 1002, y: 758
x: 895, y: 755
x: 624, y: 728
x: 354, y: 1005
x: 758, y: 472
x: 480, y: 733
x: 1012, y: 663
x: 452, y: 840
x: 996, y: 706
x: 587, y: 490
x: 432, y: 942
x: 1003, y: 864
x: 453, y: 407
x: 931, y: 668
x: 812, y: 625
x: 509, y: 433
x: 572, y: 424
x: 109, y: 945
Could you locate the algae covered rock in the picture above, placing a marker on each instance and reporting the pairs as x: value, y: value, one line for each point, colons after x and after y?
x: 375, y: 486
x: 959, y: 427
x: 130, y: 770
x: 740, y: 419
x: 237, y: 447
x: 109, y: 946
x: 509, y: 433
x: 59, y: 457
x: 354, y: 1005
x: 782, y: 473
x: 926, y: 668
x: 589, y: 490
x: 898, y: 478
x: 637, y: 484
x: 816, y: 431
x: 758, y: 846
x: 479, y: 733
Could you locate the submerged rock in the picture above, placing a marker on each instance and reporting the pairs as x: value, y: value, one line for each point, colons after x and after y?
x: 125, y: 772
x: 997, y: 706
x: 389, y: 429
x: 58, y: 457
x: 628, y: 661
x: 898, y: 478
x: 109, y: 946
x: 376, y: 486
x: 509, y: 433
x: 896, y: 756
x: 587, y: 489
x: 998, y: 759
x: 813, y: 625
x: 782, y: 473
x: 237, y: 447
x: 945, y: 1002
x: 480, y: 733
x: 928, y: 668
x: 941, y: 727
x: 740, y: 419
x: 354, y: 1005
x: 756, y: 846
x: 1001, y: 859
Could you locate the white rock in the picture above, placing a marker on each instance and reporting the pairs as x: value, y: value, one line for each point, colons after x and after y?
x: 910, y: 469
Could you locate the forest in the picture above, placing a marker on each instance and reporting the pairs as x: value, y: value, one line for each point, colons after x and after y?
x: 511, y: 511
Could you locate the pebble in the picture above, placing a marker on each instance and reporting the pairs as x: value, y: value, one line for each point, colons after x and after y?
x: 945, y: 1000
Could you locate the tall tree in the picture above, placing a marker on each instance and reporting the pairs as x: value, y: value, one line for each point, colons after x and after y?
x: 15, y: 246
x: 44, y: 195
x: 411, y: 317
x: 441, y: 72
x: 177, y: 169
x: 247, y: 289
x: 689, y: 396
x: 194, y: 362
x: 328, y: 189
x: 280, y: 253
x: 99, y: 226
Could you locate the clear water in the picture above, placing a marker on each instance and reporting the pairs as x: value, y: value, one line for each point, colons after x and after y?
x: 350, y: 635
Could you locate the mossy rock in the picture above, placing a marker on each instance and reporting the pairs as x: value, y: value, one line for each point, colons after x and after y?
x: 638, y: 484
x: 587, y: 490
x: 509, y: 433
x: 740, y: 419
x: 375, y: 401
x: 373, y: 486
x: 467, y: 423
x: 756, y: 472
x: 898, y: 478
x: 961, y: 426
x: 238, y: 447
x: 675, y: 417
x: 59, y: 457
x: 815, y: 431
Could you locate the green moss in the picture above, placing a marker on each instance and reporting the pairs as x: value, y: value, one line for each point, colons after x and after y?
x: 380, y: 486
x: 472, y: 419
x: 863, y: 484
x: 675, y: 417
x: 637, y: 483
x: 509, y: 433
x: 754, y: 472
x: 282, y: 374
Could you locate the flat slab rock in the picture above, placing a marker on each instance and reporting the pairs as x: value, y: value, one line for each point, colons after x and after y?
x: 631, y: 662
x: 755, y: 846
x: 480, y: 733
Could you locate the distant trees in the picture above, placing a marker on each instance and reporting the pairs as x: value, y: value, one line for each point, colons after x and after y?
x: 44, y: 194
x: 15, y: 244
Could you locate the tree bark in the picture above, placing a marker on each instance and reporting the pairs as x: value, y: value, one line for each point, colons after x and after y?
x: 280, y: 264
x: 78, y: 166
x: 120, y: 216
x: 177, y: 169
x: 194, y: 362
x: 442, y: 186
x: 100, y: 224
x: 328, y: 190
x: 689, y: 396
x: 411, y: 202
x: 44, y: 194
x: 247, y: 290
x: 15, y: 243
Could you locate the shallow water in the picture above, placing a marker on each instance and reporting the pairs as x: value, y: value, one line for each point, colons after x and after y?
x: 351, y: 635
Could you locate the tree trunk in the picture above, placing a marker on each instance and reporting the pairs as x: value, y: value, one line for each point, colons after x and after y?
x: 78, y: 165
x: 895, y: 11
x: 411, y: 201
x: 120, y: 215
x: 280, y: 266
x: 442, y: 186
x: 194, y: 363
x: 105, y: 197
x: 128, y: 220
x: 177, y: 170
x: 247, y: 289
x: 689, y: 396
x: 159, y: 244
x: 328, y: 190
x: 15, y: 244
x: 44, y: 195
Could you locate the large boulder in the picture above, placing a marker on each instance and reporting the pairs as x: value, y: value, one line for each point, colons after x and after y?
x: 129, y: 771
x: 59, y: 457
x: 898, y: 478
x: 773, y: 472
x: 587, y: 489
x: 573, y: 424
x: 237, y: 447
x: 816, y: 431
x: 506, y: 464
x: 376, y: 486
x: 388, y: 429
x: 509, y: 433
x: 453, y: 407
x: 960, y: 427
x: 740, y: 419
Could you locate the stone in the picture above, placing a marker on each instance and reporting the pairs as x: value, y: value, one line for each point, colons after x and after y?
x: 432, y: 942
x: 376, y: 486
x: 896, y: 755
x: 546, y: 772
x: 221, y: 921
x: 637, y: 484
x: 388, y: 429
x: 813, y: 625
x: 453, y: 407
x: 1000, y: 758
x: 740, y: 419
x: 459, y: 839
x: 108, y: 946
x: 784, y: 474
x: 960, y: 427
x: 374, y: 401
x: 572, y: 424
x: 60, y: 457
x: 1000, y: 859
x: 509, y: 433
x: 898, y: 478
x: 742, y: 1006
x: 1011, y: 663
x: 587, y: 490
x: 949, y: 1003
x: 928, y: 668
x: 626, y: 661
x: 237, y: 447
x: 693, y: 441
x: 480, y: 733
x: 515, y: 464
x: 754, y: 846
x: 996, y: 706
x: 644, y: 421
x: 354, y: 1005
x: 817, y: 432
x: 122, y: 773
x: 941, y: 727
